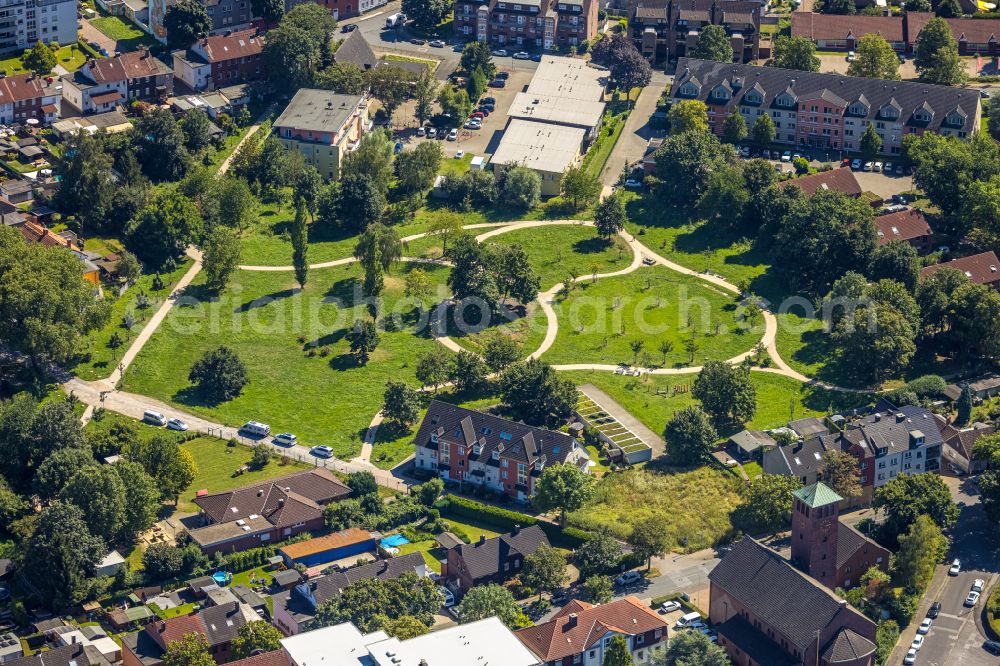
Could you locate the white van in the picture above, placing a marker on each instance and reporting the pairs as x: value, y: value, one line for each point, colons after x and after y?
x: 256, y: 429
x: 154, y: 418
x: 687, y: 619
x: 395, y: 20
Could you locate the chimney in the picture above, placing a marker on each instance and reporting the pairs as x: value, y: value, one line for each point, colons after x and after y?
x: 900, y: 417
x: 878, y: 417
x: 517, y: 528
x: 482, y: 539
x: 572, y: 621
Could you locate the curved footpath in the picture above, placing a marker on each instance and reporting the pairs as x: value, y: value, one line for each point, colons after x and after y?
x: 104, y: 392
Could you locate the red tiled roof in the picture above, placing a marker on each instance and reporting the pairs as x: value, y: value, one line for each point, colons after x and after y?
x: 983, y: 268
x: 20, y: 87
x: 165, y: 632
x: 240, y: 44
x: 272, y: 658
x: 904, y: 225
x: 815, y: 26
x: 322, y: 544
x: 130, y: 65
x: 560, y: 637
x: 839, y: 180
x: 35, y: 233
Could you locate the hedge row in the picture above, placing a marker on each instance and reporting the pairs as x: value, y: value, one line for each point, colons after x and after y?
x: 506, y: 519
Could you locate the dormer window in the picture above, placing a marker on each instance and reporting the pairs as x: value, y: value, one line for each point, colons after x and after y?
x: 496, y: 454
x: 858, y: 110
x: 434, y: 438
x: 785, y: 100
x: 689, y: 90
x: 752, y: 98
x: 476, y: 450
x: 954, y: 120
x: 538, y: 465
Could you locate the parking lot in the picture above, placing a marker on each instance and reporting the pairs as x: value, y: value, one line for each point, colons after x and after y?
x: 837, y: 62
x: 883, y: 184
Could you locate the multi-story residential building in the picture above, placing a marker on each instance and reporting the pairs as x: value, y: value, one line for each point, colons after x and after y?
x: 485, y: 561
x: 505, y: 456
x: 830, y: 111
x: 546, y: 24
x: 323, y: 127
x: 671, y: 28
x: 217, y: 625
x: 104, y: 84
x: 581, y: 632
x: 218, y: 61
x: 24, y: 23
x: 25, y: 96
x: 225, y: 15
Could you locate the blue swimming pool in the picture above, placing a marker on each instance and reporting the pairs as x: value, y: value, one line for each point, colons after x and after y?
x: 393, y: 541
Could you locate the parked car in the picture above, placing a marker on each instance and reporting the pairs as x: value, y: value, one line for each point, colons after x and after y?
x: 459, y: 154
x: 868, y: 166
x: 925, y: 626
x: 488, y: 100
x: 911, y: 657
x: 628, y: 578
x: 977, y: 585
x: 472, y: 124
x: 670, y: 607
x: 984, y: 94
x: 421, y: 131
x: 850, y: 56
x: 537, y: 57
x: 177, y: 424
x: 993, y: 647
x: 500, y: 53
x: 453, y: 134
x: 437, y: 43
x: 485, y: 111
x: 431, y: 132
x: 350, y: 27
x: 633, y: 184
x: 521, y: 55
x: 648, y: 261
x: 477, y: 114
x: 972, y: 599
x: 697, y: 626
x: 934, y: 609
x: 449, y: 598
x: 503, y: 76
x: 687, y: 620
x: 877, y: 168
x: 498, y: 83
x: 256, y: 429
x: 786, y: 156
x: 285, y: 439
x: 154, y: 418
x: 918, y: 642
x: 956, y: 567
x: 418, y: 41
x: 321, y: 451
x: 900, y: 169
x: 888, y: 167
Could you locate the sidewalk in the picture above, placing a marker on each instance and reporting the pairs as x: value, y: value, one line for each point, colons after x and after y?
x: 632, y: 143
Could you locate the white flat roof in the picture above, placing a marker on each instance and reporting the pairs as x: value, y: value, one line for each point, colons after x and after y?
x: 568, y: 78
x: 484, y: 643
x: 339, y: 645
x: 555, y: 109
x: 539, y: 146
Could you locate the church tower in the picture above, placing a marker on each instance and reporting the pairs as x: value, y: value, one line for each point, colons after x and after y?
x: 814, y: 532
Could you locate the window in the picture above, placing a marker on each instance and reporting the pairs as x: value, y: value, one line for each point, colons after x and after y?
x: 522, y: 475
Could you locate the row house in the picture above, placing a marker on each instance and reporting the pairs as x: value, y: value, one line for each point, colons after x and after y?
x: 830, y: 111
x: 29, y: 96
x: 104, y: 84
x: 218, y: 61
x: 216, y: 625
x: 982, y: 268
x: 546, y: 24
x: 671, y: 28
x: 909, y: 226
x: 464, y: 445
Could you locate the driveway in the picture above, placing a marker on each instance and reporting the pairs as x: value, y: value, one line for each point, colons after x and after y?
x: 632, y: 143
x: 89, y: 33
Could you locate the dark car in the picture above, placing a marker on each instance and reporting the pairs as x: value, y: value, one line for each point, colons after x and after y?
x: 537, y: 57
x: 992, y: 647
x: 350, y: 27
x: 503, y: 76
x: 498, y: 83
x: 418, y: 41
x: 488, y: 100
x: 934, y: 610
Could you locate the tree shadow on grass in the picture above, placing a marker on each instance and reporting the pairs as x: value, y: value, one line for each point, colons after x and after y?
x: 192, y: 396
x: 331, y: 338
x: 263, y: 301
x: 594, y: 245
x: 344, y: 362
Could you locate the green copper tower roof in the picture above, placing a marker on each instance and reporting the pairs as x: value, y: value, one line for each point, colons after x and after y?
x: 818, y: 494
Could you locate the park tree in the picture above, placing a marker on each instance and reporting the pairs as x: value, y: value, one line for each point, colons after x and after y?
x: 162, y: 230
x: 936, y: 54
x: 416, y: 169
x: 689, y: 115
x: 908, y: 496
x: 434, y: 367
x: 220, y: 374
x: 610, y: 217
x: 562, y: 486
x: 363, y: 338
x: 544, y: 570
x: 390, y: 84
x: 351, y: 204
x: 294, y: 50
x: 129, y: 268
x: 874, y: 58
x: 99, y: 493
x: 344, y: 78
x: 599, y: 589
x: 617, y: 652
x: 400, y: 404
x: 172, y: 467
x: 648, y: 539
x: 86, y: 186
x: 372, y: 158
x: 725, y: 196
x: 300, y: 245
x: 684, y: 163
x: 764, y: 132
x: 734, y: 128
x: 726, y: 392
x: 221, y: 258
x: 426, y: 14
x: 476, y: 55
x: 896, y: 260
x: 580, y: 187
x: 445, y: 227
x: 423, y: 97
x: 599, y: 554
x: 920, y: 549
x: 237, y: 204
x: 56, y: 470
x: 520, y: 187
x: 39, y: 59
x: 197, y: 129
x: 871, y: 142
x: 45, y: 304
x: 256, y: 638
x: 472, y: 274
x: 62, y: 546
x: 840, y: 471
x: 500, y: 351
x: 185, y: 21
x: 189, y: 650
x: 514, y: 274
x: 417, y: 287
x: 142, y: 500
x: 946, y: 167
x: 690, y: 436
x: 687, y: 648
x: 377, y: 250
x: 159, y: 145
x: 533, y: 392
x: 713, y: 44
x: 492, y: 600
x: 795, y: 53
x: 878, y: 339
x: 469, y: 373
x: 766, y: 505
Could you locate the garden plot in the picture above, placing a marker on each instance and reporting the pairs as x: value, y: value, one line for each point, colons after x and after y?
x: 619, y: 436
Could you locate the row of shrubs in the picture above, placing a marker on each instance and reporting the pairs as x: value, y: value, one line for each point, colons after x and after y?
x: 462, y: 507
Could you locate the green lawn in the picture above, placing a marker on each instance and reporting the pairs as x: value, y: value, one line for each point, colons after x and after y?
x: 217, y: 464
x: 557, y: 252
x: 128, y: 36
x: 433, y: 554
x: 691, y: 504
x: 324, y: 399
x: 455, y: 167
x: 70, y: 56
x: 599, y: 153
x: 526, y: 326
x: 96, y: 360
x: 650, y: 305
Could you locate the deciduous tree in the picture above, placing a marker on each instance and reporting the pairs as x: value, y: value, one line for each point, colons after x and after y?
x: 363, y: 339
x: 221, y: 258
x: 734, y: 128
x: 163, y: 229
x: 580, y: 187
x: 617, y: 652
x: 185, y: 21
x: 874, y: 58
x: 840, y: 471
x: 220, y: 374
x: 256, y: 638
x: 100, y: 494
x: 908, y: 496
x: 469, y: 373
x: 726, y: 392
x: 400, y: 404
x: 492, y: 600
x: 610, y: 217
x: 795, y: 53
x: 533, y: 392
x: 687, y: 648
x: 690, y: 436
x: 562, y: 486
x: 39, y: 59
x: 190, y: 650
x: 544, y: 570
x: 600, y: 554
x: 500, y: 351
x: 648, y: 539
x: 63, y: 547
x: 689, y: 115
x: 920, y: 548
x: 936, y: 54
x: 713, y: 44
x: 766, y: 504
x: 434, y: 367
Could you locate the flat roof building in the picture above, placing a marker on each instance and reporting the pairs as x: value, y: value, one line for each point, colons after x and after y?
x: 568, y: 79
x: 547, y: 149
x: 558, y: 110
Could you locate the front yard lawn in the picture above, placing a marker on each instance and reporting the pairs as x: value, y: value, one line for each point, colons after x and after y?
x: 128, y: 36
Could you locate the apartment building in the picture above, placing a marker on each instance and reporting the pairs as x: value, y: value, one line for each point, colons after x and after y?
x: 104, y: 84
x: 324, y: 127
x: 505, y: 456
x: 24, y: 23
x: 218, y: 61
x: 671, y: 28
x: 830, y: 111
x: 546, y: 24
